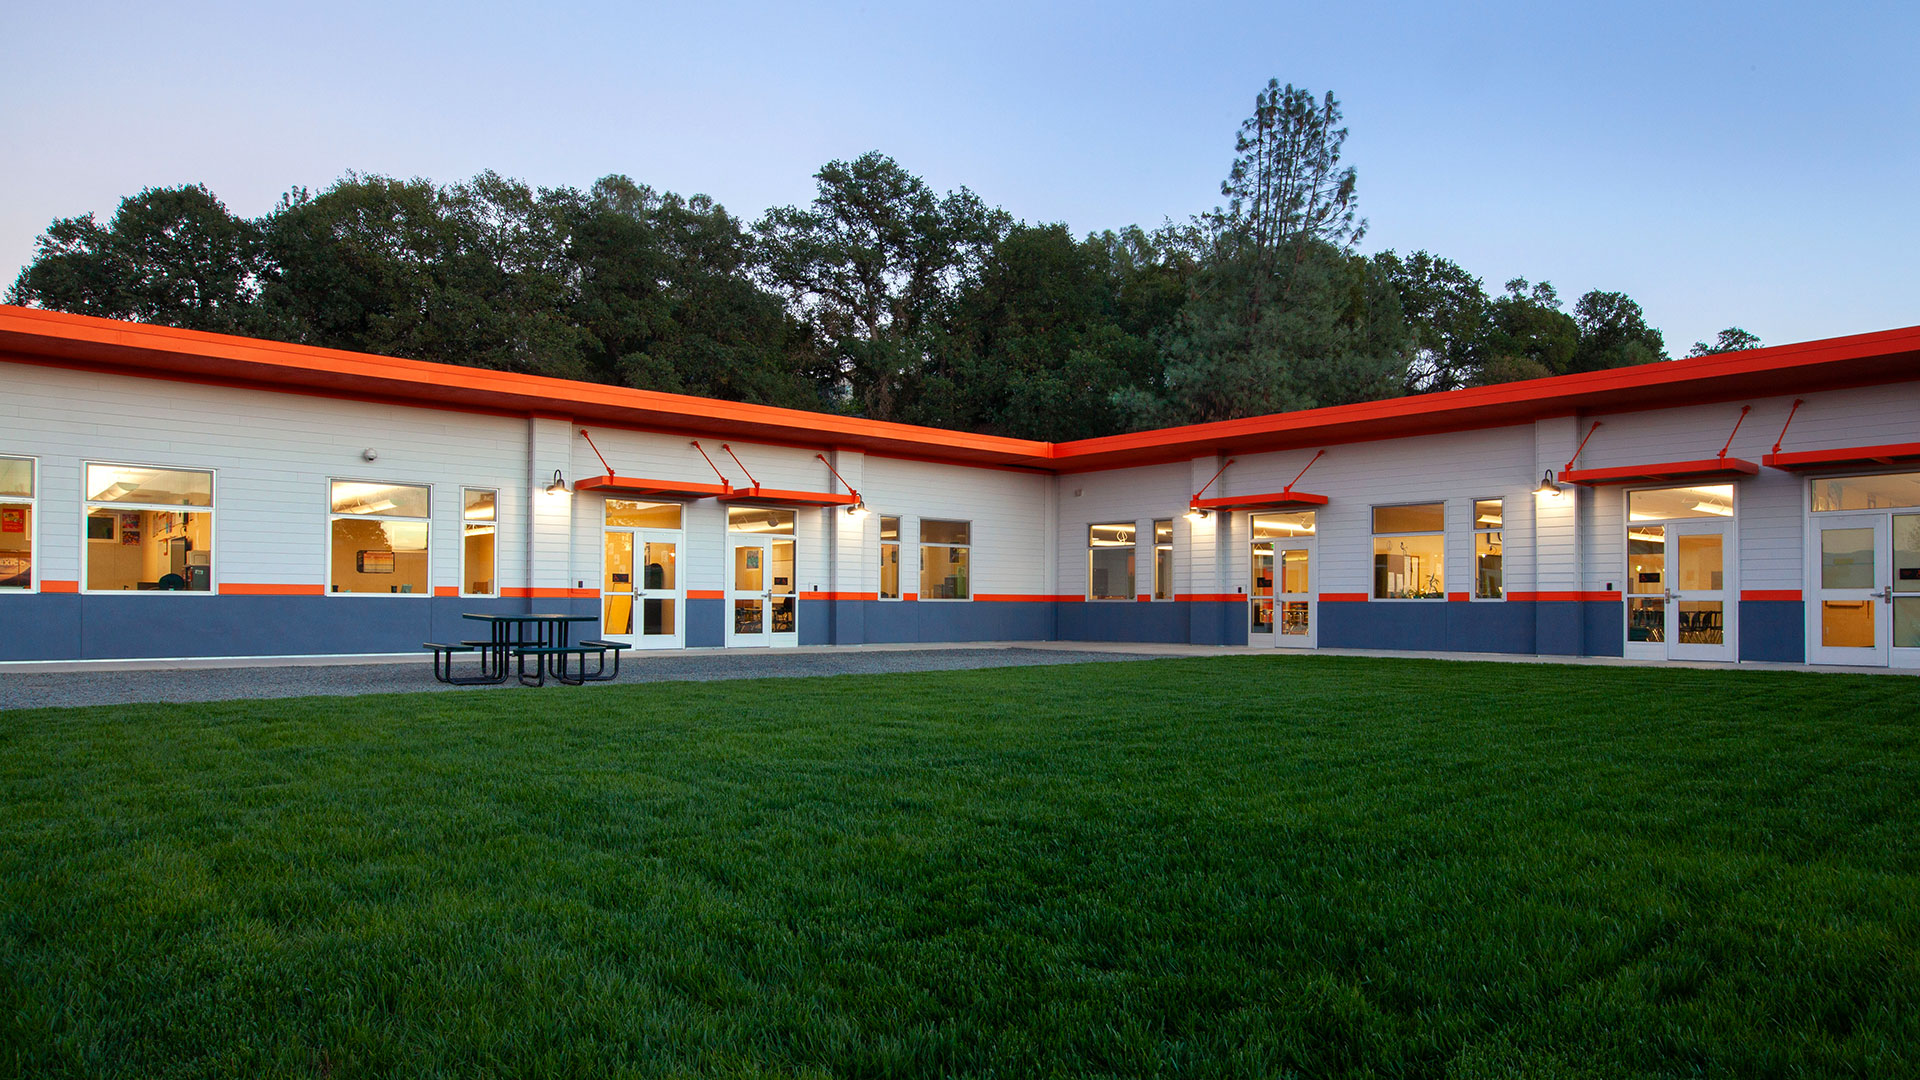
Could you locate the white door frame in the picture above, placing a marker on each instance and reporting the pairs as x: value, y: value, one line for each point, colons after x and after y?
x: 638, y: 592
x: 1281, y: 598
x: 1727, y: 596
x: 1261, y: 640
x: 1879, y: 654
x: 768, y: 595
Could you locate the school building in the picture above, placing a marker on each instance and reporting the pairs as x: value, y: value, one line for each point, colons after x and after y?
x: 167, y: 493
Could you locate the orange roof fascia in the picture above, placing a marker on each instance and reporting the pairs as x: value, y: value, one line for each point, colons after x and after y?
x: 62, y: 339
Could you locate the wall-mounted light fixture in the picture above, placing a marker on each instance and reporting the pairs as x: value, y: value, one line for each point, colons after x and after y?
x: 1195, y: 513
x: 1548, y: 485
x: 559, y: 484
x: 858, y: 510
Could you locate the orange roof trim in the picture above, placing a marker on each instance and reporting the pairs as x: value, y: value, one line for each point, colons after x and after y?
x: 33, y: 336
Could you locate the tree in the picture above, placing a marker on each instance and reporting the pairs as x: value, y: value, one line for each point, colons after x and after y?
x: 1732, y: 339
x: 1282, y: 315
x: 1034, y: 346
x: 1528, y: 337
x: 665, y: 302
x: 172, y: 256
x: 1286, y: 190
x: 1449, y: 316
x: 871, y: 267
x: 1613, y: 333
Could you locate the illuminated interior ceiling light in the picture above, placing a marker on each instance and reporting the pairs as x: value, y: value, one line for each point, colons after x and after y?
x: 559, y: 484
x: 1548, y: 485
x: 1713, y: 508
x: 1489, y: 519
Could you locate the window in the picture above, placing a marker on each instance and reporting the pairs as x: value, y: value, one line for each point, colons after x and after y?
x: 148, y: 529
x: 1409, y: 552
x: 1163, y: 559
x: 1667, y: 504
x: 754, y: 519
x: 1489, y: 577
x: 479, y: 525
x: 1110, y: 553
x: 1883, y: 492
x: 889, y: 558
x: 629, y: 514
x: 16, y: 523
x: 944, y: 547
x: 377, y: 536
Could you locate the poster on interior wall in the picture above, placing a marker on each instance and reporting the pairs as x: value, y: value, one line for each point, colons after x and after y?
x: 130, y: 528
x: 13, y: 519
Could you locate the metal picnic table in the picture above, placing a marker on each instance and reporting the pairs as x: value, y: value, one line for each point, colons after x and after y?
x: 513, y: 639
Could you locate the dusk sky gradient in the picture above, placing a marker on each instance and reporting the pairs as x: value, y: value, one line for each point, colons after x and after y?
x: 1744, y: 164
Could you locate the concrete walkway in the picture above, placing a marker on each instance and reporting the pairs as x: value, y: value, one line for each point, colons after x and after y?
x: 30, y: 685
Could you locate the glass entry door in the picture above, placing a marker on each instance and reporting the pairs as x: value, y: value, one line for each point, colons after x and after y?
x: 1260, y: 595
x: 641, y: 591
x: 1865, y: 607
x: 1698, y: 607
x: 762, y: 604
x: 1293, y: 597
x: 1679, y: 591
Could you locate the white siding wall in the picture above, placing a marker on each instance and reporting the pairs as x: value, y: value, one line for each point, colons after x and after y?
x: 1007, y: 509
x: 272, y: 455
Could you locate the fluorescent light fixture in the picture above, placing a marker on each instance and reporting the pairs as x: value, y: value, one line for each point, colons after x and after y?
x: 1713, y: 508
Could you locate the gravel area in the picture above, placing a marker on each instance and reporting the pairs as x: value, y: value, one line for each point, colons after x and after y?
x: 72, y: 688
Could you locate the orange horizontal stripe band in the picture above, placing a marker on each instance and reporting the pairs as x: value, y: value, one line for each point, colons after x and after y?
x: 267, y: 588
x: 1209, y: 597
x: 1564, y: 597
x: 518, y: 592
x: 911, y: 596
x: 1025, y: 598
x: 706, y: 594
x: 839, y: 596
x: 1771, y: 594
x: 446, y: 590
x: 1457, y: 597
x: 1343, y: 597
x: 60, y: 586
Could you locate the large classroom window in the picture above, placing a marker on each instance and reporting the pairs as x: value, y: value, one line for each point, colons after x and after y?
x: 1163, y: 559
x: 479, y: 527
x: 1489, y: 551
x: 1110, y: 553
x: 148, y: 529
x: 1409, y: 552
x: 377, y: 538
x: 944, y: 550
x: 16, y: 523
x: 889, y: 558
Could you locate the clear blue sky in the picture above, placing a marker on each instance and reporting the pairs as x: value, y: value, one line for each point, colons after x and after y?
x: 1740, y: 163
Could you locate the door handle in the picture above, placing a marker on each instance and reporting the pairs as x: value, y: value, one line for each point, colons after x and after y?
x: 1885, y: 594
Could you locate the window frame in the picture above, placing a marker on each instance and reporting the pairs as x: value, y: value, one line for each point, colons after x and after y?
x: 1133, y: 566
x: 1168, y: 598
x: 920, y: 534
x: 1500, y: 530
x: 899, y: 587
x: 326, y: 502
x: 493, y: 573
x: 32, y: 502
x: 87, y: 506
x: 1372, y: 510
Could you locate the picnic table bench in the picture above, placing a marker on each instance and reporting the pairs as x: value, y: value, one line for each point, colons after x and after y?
x: 516, y: 639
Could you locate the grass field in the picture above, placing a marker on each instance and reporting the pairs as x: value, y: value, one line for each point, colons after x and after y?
x: 1312, y: 866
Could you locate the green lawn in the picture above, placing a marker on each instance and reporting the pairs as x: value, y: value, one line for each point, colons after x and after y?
x: 1311, y: 866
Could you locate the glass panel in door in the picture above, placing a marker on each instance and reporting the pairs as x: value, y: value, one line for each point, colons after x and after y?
x: 1260, y: 591
x: 658, y: 596
x: 782, y: 598
x: 1905, y: 595
x: 1294, y: 599
x: 616, y: 586
x: 749, y: 592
